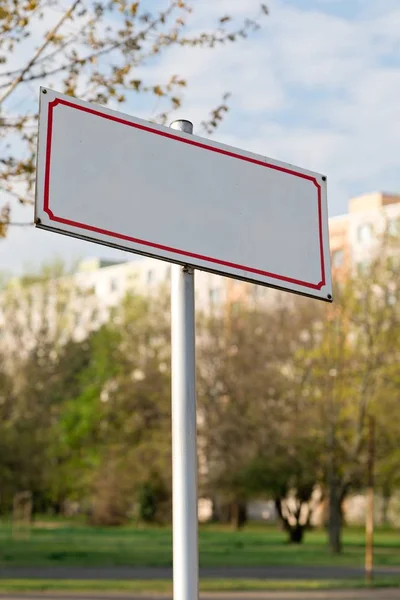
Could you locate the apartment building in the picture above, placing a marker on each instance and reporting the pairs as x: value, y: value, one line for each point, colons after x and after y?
x: 73, y: 305
x: 97, y: 286
x: 354, y: 236
x: 111, y: 281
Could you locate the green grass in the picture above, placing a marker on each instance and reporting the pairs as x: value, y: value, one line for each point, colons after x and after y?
x: 165, y: 587
x: 68, y: 545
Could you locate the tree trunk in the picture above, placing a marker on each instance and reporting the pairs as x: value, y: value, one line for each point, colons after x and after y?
x: 216, y: 510
x: 335, y: 518
x: 296, y: 534
x: 221, y: 511
x: 239, y: 514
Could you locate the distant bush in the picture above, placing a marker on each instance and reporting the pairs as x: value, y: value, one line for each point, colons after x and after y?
x: 154, y: 503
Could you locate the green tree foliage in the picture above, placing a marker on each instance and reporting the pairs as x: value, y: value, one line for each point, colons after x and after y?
x: 387, y: 416
x: 354, y: 363
x: 7, y: 439
x: 85, y: 418
x: 40, y: 363
x: 118, y: 427
x: 285, y: 394
x: 258, y: 433
x: 285, y: 389
x: 154, y: 499
x: 29, y: 415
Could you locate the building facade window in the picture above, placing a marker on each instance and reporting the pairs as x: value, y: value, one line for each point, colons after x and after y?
x: 150, y: 276
x: 113, y: 284
x: 364, y: 233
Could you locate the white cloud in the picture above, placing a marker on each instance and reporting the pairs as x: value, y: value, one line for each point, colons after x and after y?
x: 308, y: 58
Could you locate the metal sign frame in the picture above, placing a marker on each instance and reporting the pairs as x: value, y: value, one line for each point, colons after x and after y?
x: 308, y: 246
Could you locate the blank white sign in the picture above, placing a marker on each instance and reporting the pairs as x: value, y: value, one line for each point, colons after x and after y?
x: 130, y: 184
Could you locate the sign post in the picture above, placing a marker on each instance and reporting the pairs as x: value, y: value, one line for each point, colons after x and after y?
x: 123, y: 182
x: 184, y: 444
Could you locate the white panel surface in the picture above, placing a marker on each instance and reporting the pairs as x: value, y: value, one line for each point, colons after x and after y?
x: 127, y: 183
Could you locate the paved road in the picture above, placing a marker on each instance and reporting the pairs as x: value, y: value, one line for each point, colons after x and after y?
x: 334, y: 595
x: 152, y: 573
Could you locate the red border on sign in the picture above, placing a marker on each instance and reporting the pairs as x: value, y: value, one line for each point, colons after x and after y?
x: 182, y: 253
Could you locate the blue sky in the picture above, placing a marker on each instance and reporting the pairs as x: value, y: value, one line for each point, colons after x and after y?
x: 319, y: 87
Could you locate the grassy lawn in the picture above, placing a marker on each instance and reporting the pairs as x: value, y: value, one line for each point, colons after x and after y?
x: 165, y: 587
x: 69, y: 544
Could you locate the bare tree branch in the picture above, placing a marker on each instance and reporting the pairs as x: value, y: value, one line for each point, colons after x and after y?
x: 38, y: 52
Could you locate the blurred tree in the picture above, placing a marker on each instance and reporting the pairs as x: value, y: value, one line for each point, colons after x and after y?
x: 30, y: 416
x: 288, y: 469
x: 118, y: 428
x: 41, y: 363
x: 386, y: 411
x: 351, y: 365
x: 284, y: 390
x: 85, y: 415
x: 256, y: 432
x: 7, y: 439
x: 97, y: 51
x: 231, y: 380
x: 154, y: 499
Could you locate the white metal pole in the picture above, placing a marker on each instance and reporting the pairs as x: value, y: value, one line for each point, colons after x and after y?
x: 184, y: 443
